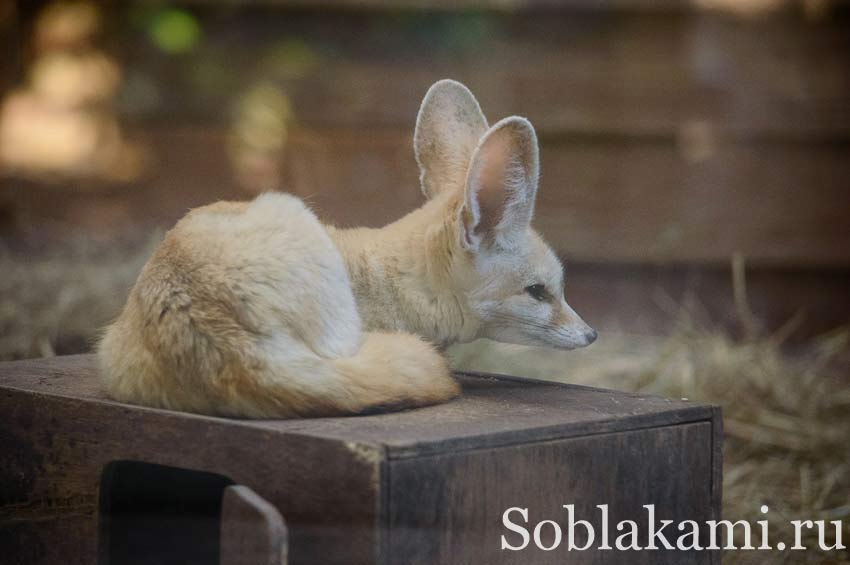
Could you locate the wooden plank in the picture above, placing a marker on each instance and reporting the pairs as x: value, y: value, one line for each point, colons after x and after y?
x: 776, y: 205
x: 467, y: 494
x: 779, y: 205
x: 542, y: 410
x: 539, y: 411
x: 591, y: 71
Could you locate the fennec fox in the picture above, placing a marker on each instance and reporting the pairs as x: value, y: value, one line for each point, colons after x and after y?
x: 257, y: 310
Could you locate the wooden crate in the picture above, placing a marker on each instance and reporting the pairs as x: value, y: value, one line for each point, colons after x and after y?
x: 422, y: 486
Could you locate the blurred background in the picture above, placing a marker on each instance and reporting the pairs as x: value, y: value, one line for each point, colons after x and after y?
x: 695, y: 178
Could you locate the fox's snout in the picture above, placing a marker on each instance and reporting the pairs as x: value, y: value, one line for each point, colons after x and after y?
x: 587, y: 336
x: 582, y: 334
x: 576, y: 338
x: 571, y: 336
x: 544, y: 324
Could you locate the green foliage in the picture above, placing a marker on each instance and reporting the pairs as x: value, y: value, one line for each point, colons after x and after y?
x: 174, y: 31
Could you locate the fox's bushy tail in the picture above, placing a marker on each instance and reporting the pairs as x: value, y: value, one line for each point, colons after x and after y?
x: 389, y: 370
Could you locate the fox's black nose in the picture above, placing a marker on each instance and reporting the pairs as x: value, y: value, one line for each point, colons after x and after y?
x: 590, y: 336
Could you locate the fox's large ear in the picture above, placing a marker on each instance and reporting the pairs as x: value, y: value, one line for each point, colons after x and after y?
x: 449, y: 125
x: 501, y: 185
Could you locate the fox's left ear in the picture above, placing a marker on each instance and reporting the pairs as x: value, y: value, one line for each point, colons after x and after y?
x: 501, y: 185
x: 449, y: 125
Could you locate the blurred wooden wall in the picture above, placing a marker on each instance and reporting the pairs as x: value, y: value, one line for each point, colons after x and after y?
x: 672, y: 137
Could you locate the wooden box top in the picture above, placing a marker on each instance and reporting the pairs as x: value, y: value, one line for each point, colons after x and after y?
x: 493, y: 411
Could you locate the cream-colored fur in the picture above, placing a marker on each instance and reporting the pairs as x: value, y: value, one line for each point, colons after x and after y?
x: 257, y: 310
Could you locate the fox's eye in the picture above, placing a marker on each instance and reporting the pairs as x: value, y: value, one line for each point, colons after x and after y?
x: 537, y: 291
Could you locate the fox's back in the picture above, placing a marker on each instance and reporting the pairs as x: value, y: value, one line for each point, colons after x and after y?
x: 238, y: 282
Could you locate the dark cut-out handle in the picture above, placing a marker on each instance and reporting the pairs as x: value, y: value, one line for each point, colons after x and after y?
x: 252, y: 530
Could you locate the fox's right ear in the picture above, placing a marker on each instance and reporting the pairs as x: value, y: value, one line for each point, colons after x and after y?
x: 501, y: 186
x: 448, y: 128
